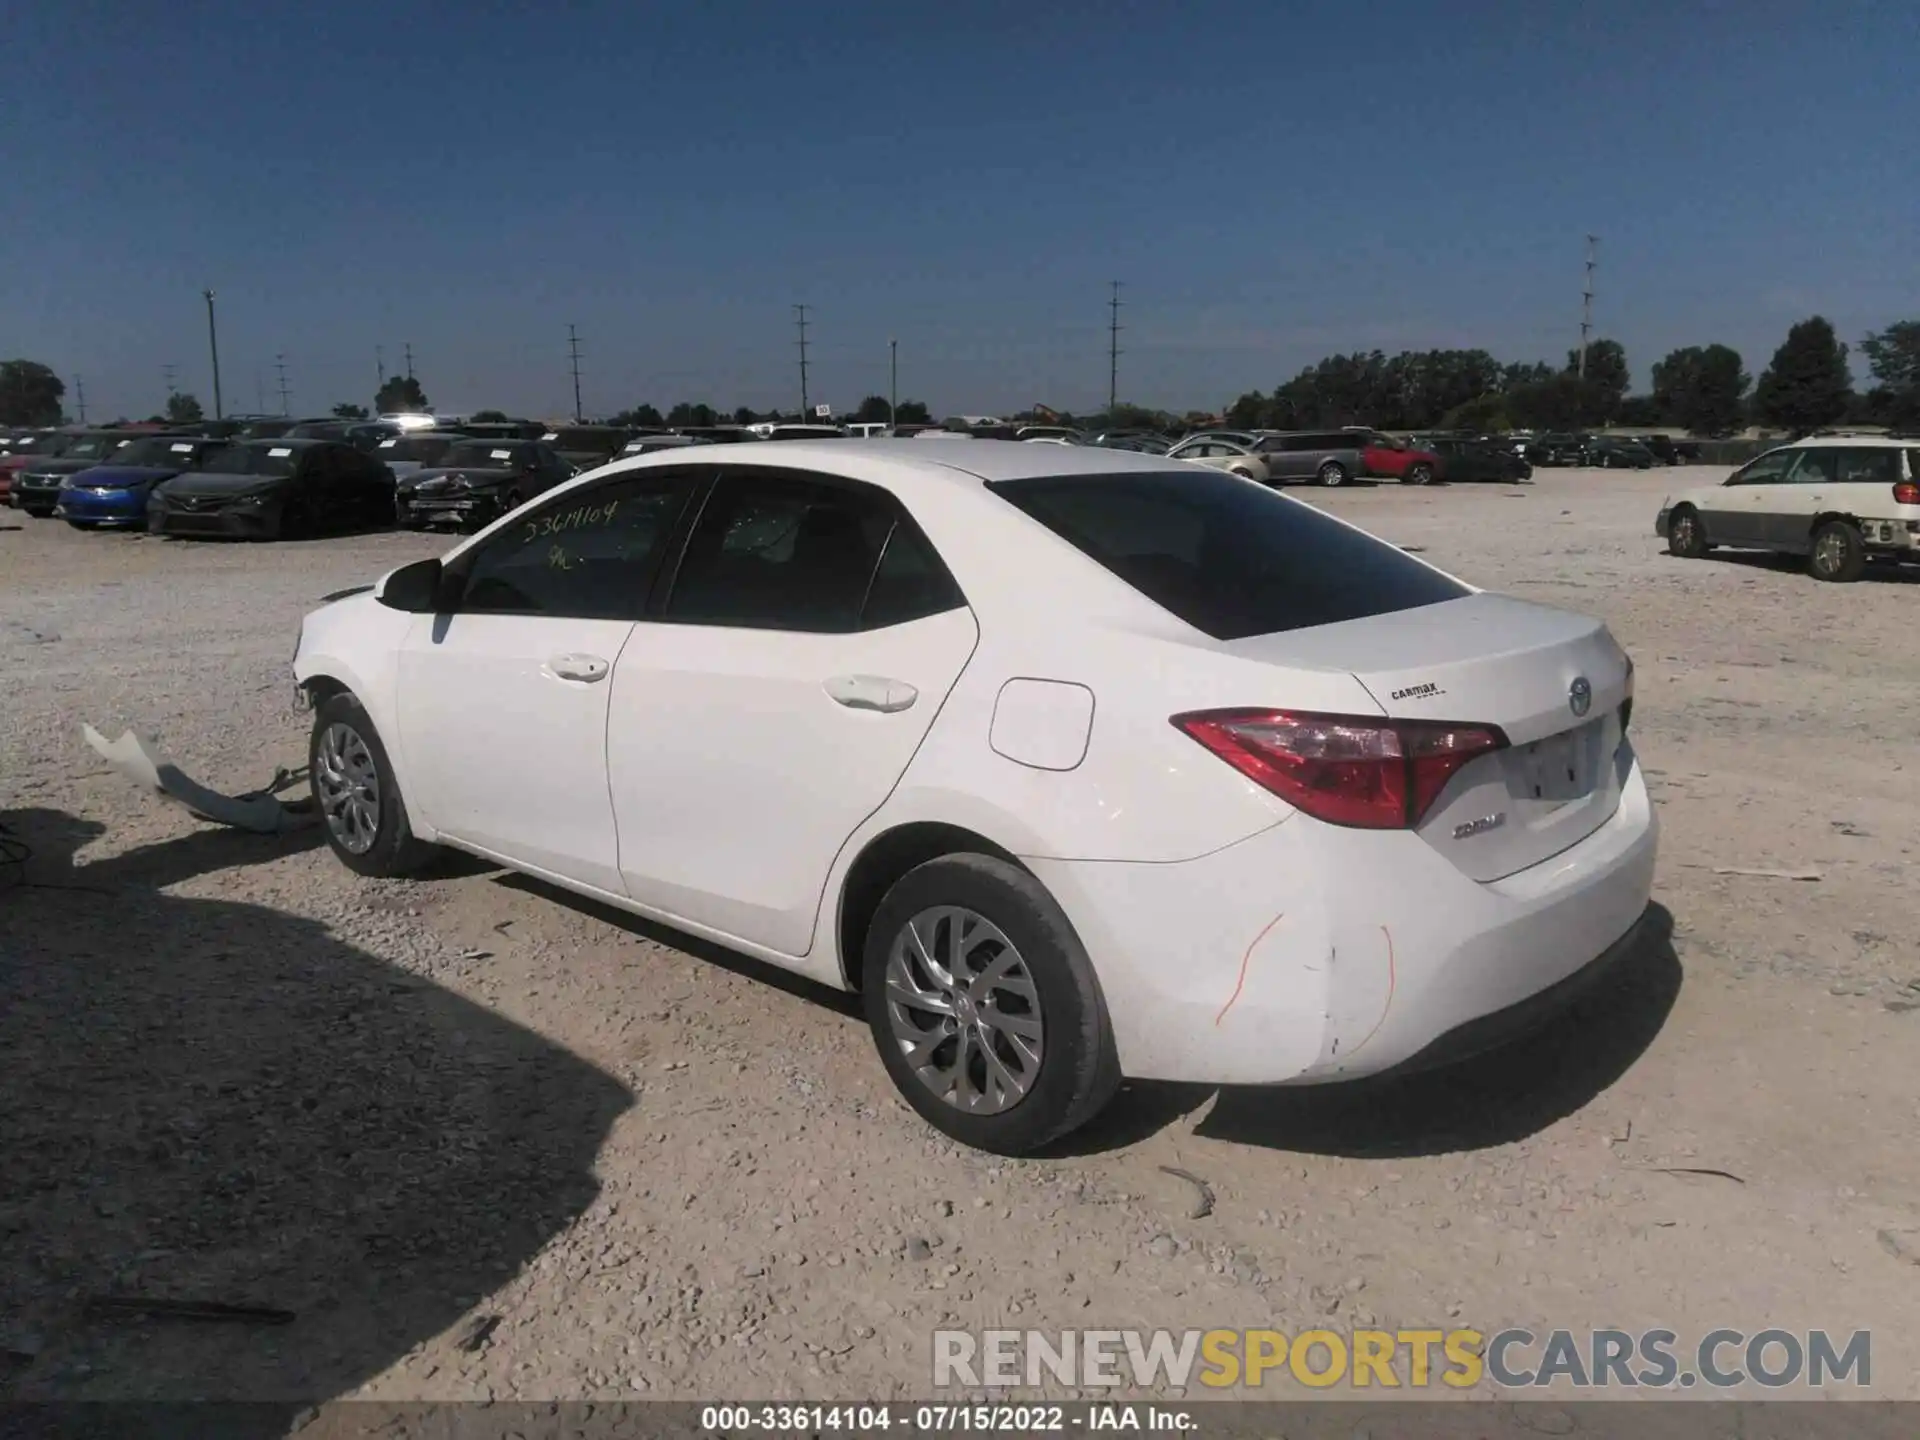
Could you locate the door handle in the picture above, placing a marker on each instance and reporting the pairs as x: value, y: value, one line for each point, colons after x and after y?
x: 871, y: 692
x: 582, y: 669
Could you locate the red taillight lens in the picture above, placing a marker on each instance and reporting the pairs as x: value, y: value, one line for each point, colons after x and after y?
x: 1906, y: 493
x: 1355, y: 770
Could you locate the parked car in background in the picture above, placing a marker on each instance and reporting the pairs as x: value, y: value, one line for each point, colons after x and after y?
x: 477, y: 481
x: 114, y: 493
x: 283, y: 489
x: 1385, y: 457
x: 36, y: 484
x: 804, y: 432
x: 1840, y: 502
x: 587, y: 446
x: 272, y: 427
x: 34, y: 448
x: 500, y: 429
x: 1557, y: 448
x: 1228, y: 455
x: 1326, y: 457
x: 1189, y: 706
x: 1611, y: 452
x: 717, y: 434
x: 365, y: 435
x: 1068, y: 433
x: 1468, y: 458
x: 1143, y: 442
x: 1662, y: 448
x: 415, y: 450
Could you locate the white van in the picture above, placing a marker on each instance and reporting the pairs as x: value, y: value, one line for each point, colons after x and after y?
x: 1839, y: 500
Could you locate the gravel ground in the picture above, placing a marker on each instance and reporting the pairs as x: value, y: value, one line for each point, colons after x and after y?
x: 483, y: 1140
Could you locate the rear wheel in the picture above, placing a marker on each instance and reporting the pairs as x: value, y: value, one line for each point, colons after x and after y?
x: 1839, y: 554
x: 1685, y: 535
x: 985, y: 1007
x: 358, y: 798
x: 1418, y: 475
x: 1332, y: 473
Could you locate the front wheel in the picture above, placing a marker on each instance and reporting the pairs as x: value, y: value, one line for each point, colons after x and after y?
x: 357, y: 796
x: 984, y: 1006
x: 1418, y: 475
x: 1332, y: 473
x: 1685, y: 535
x: 1839, y: 554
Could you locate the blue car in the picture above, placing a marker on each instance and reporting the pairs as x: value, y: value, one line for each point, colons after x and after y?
x: 116, y: 494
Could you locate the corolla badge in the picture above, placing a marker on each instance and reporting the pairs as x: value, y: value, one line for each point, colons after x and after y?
x: 1580, y: 695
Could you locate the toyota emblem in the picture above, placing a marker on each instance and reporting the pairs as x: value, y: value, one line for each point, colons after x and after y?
x: 1580, y: 695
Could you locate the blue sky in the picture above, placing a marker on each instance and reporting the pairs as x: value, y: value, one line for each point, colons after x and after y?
x: 1272, y: 182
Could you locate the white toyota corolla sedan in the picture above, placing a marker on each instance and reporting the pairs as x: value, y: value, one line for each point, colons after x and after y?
x: 1074, y: 763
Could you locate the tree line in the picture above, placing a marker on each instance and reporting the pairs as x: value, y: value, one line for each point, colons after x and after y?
x: 1702, y: 388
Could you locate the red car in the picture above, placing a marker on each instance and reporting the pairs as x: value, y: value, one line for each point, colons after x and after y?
x: 1386, y: 458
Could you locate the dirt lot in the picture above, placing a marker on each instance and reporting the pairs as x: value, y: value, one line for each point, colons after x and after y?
x: 487, y: 1141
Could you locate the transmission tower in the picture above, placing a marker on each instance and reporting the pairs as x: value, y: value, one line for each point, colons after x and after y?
x: 1113, y: 349
x: 1586, y: 301
x: 800, y: 319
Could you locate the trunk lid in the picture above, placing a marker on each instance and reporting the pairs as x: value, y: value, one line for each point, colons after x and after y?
x: 1492, y: 660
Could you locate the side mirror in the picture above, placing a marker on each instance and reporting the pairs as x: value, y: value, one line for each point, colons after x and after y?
x: 413, y: 588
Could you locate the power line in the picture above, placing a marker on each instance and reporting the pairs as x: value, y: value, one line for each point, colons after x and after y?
x: 1113, y: 350
x: 800, y: 314
x: 286, y: 404
x: 573, y: 353
x: 1586, y: 301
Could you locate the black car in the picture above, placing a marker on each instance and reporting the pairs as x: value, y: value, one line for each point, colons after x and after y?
x: 1555, y: 448
x: 1612, y: 452
x: 275, y: 489
x: 1468, y: 458
x: 587, y: 446
x: 36, y: 484
x: 477, y: 481
x: 499, y: 429
x: 1663, y: 448
x: 361, y: 434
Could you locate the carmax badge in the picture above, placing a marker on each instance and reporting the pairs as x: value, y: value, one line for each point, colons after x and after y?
x: 1480, y: 826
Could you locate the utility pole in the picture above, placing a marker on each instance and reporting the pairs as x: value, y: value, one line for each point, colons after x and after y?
x: 213, y: 344
x: 286, y: 405
x: 1586, y: 302
x: 800, y: 314
x: 80, y: 397
x: 260, y: 389
x: 409, y: 348
x: 573, y: 353
x: 168, y: 372
x: 893, y: 384
x: 1113, y: 351
x: 380, y: 366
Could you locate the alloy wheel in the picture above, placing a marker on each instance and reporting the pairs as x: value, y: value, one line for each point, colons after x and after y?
x: 348, y: 784
x: 963, y: 1007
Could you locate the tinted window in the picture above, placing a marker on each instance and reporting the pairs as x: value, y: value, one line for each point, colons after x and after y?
x: 590, y: 555
x: 777, y: 553
x: 1870, y: 467
x: 267, y: 459
x: 1230, y: 558
x: 910, y: 584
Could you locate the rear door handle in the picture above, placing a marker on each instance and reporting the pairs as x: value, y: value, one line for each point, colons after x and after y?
x: 871, y: 692
x: 581, y: 669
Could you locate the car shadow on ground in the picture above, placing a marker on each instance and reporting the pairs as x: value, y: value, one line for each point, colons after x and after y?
x: 212, y: 1102
x: 1496, y: 1098
x: 1880, y: 571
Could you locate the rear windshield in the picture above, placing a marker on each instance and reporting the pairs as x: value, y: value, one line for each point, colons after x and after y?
x: 1229, y: 557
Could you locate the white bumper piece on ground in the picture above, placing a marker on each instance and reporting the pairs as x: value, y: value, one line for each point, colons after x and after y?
x: 143, y: 762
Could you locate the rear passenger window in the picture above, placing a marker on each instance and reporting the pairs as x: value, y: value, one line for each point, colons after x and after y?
x: 1230, y: 559
x: 780, y: 552
x: 1870, y: 467
x: 590, y: 555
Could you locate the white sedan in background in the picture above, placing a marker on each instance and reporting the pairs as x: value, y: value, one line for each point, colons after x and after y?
x: 1076, y: 764
x: 1228, y: 455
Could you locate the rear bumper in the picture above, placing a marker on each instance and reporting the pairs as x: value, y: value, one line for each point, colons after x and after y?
x: 1288, y: 957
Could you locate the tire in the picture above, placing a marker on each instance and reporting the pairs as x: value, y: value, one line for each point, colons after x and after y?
x: 1243, y: 474
x: 294, y: 522
x: 1418, y: 475
x: 1838, y: 554
x: 1686, y: 536
x: 988, y: 901
x: 1331, y: 474
x: 344, y: 758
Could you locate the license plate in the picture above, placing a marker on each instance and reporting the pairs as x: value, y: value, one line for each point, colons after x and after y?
x: 1560, y: 768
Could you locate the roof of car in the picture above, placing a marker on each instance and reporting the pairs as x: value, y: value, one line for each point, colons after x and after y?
x: 286, y: 442
x: 965, y: 465
x: 1842, y: 438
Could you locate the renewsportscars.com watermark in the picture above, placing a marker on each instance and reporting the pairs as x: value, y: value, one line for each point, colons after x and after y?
x: 1414, y: 1359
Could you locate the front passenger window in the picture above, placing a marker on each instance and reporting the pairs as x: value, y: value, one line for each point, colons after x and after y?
x: 591, y: 555
x: 1767, y: 470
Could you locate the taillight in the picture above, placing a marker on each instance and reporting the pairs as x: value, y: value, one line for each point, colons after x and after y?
x: 1355, y: 770
x: 1906, y: 493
